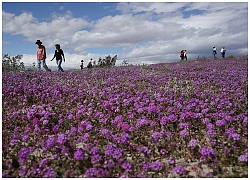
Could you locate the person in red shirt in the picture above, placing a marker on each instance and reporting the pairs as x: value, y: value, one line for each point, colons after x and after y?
x: 41, y: 56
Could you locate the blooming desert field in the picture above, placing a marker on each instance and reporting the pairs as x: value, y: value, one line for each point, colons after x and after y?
x: 186, y: 119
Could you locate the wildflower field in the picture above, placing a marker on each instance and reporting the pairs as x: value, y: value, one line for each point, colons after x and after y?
x: 185, y: 119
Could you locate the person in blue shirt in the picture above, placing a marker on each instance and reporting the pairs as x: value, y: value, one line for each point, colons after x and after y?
x: 59, y: 55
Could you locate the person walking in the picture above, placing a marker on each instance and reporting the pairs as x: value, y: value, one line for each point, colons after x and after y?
x: 223, y: 52
x: 182, y: 54
x: 214, y: 51
x: 59, y: 55
x: 41, y: 56
x: 185, y: 54
x: 81, y: 65
x: 90, y: 64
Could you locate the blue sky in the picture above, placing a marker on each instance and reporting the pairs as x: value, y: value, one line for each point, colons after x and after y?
x: 138, y: 32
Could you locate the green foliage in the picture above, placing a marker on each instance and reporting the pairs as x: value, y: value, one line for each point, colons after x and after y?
x: 231, y: 56
x: 12, y: 64
x: 107, y: 62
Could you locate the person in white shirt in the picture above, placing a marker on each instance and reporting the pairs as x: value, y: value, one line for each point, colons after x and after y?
x: 90, y: 64
x: 223, y: 52
x: 185, y: 54
x: 214, y: 51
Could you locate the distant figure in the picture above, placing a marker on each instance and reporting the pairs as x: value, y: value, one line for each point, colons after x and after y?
x: 59, y: 55
x: 185, y: 54
x: 182, y: 54
x: 214, y: 51
x: 223, y: 52
x: 94, y: 63
x: 41, y: 56
x: 90, y: 64
x: 81, y: 65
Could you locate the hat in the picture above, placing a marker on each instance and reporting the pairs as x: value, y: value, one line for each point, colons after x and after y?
x: 38, y: 42
x: 57, y: 45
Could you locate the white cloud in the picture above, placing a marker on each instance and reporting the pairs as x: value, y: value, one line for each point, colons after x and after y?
x: 148, y: 32
x: 5, y: 42
x: 61, y: 8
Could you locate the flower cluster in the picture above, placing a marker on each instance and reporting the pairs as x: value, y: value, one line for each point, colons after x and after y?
x: 149, y: 121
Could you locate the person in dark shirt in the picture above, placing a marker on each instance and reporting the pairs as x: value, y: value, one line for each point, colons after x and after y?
x: 59, y: 55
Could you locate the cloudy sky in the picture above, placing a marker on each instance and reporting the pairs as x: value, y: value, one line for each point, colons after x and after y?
x: 140, y: 32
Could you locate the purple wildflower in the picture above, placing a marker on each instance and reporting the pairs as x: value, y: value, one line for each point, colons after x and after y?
x: 79, y: 155
x: 117, y: 119
x: 45, y: 121
x: 95, y: 158
x: 61, y: 139
x: 127, y: 166
x: 221, y: 122
x: 70, y: 116
x: 207, y: 175
x: 89, y: 126
x: 234, y: 136
x: 35, y: 121
x: 192, y: 143
x: 164, y: 120
x: 93, y: 173
x: 213, y: 142
x: 110, y: 147
x: 184, y: 125
x: 43, y: 161
x: 86, y: 137
x: 141, y: 122
x: 152, y: 124
x: 168, y: 134
x: 94, y: 151
x: 105, y: 132
x: 140, y: 175
x: 210, y: 126
x: 109, y: 164
x: 172, y: 117
x: 142, y: 149
x: 179, y: 170
x: 124, y: 176
x: 24, y: 153
x: 163, y: 151
x: 171, y: 161
x: 13, y: 142
x: 108, y: 153
x: 51, y: 141
x: 4, y: 175
x: 124, y: 126
x: 156, y: 136
x: 245, y: 120
x: 117, y: 153
x: 124, y: 139
x: 131, y: 129
x: 145, y: 166
x: 56, y: 128
x: 206, y: 121
x: 243, y: 158
x: 230, y: 131
x: 37, y: 130
x: 184, y: 133
x: 210, y: 133
x: 207, y: 152
x: 157, y: 165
